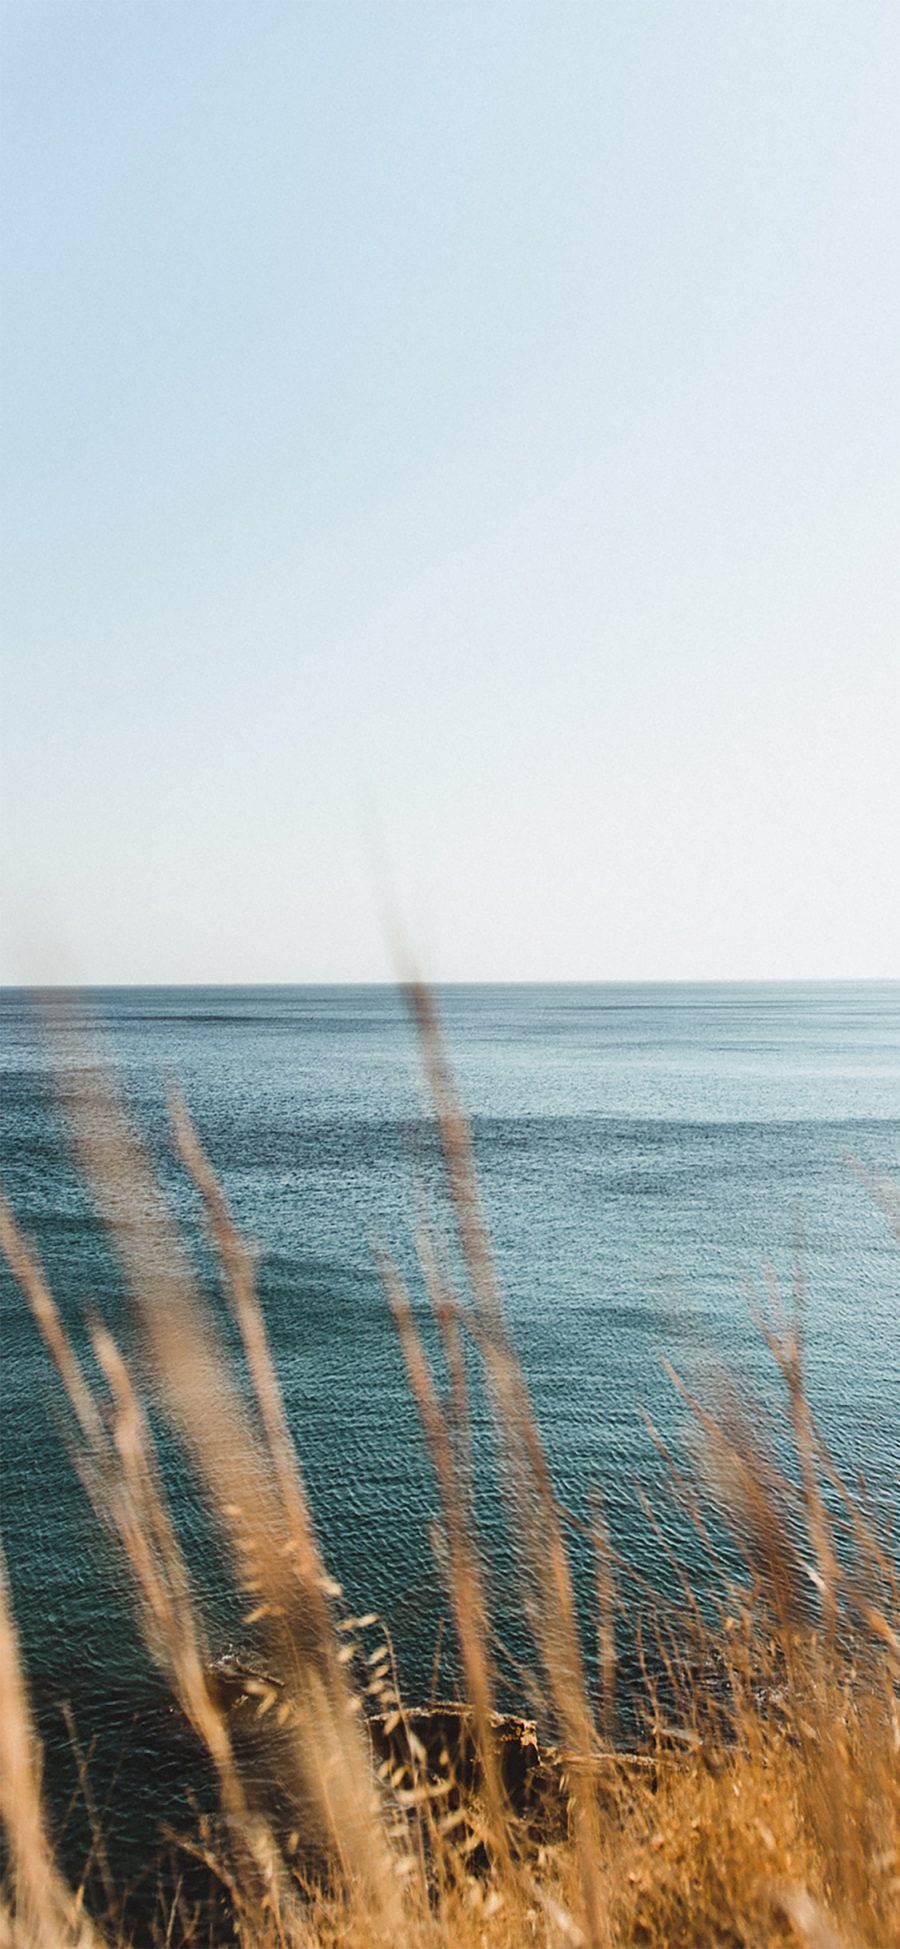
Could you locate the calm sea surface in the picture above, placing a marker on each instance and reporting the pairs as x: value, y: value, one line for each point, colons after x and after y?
x: 643, y: 1152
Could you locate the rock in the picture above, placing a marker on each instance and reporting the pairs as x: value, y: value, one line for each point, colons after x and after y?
x: 444, y: 1735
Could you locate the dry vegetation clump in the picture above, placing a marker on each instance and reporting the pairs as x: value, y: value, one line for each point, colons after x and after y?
x: 760, y: 1802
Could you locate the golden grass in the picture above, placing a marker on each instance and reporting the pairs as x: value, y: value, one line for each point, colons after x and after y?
x: 765, y: 1808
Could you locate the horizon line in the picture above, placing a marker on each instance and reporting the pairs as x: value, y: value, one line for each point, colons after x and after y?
x: 473, y: 981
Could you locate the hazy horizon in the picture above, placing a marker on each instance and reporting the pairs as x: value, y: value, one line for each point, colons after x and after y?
x: 453, y: 451
x: 395, y: 986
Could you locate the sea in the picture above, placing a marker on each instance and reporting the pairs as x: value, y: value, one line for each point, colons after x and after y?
x: 652, y: 1158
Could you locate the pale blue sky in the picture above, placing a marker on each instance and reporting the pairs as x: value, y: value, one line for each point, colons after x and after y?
x: 473, y: 425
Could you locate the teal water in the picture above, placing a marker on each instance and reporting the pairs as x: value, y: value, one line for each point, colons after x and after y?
x: 642, y: 1152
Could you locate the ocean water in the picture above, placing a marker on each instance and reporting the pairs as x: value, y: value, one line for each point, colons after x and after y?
x: 643, y: 1152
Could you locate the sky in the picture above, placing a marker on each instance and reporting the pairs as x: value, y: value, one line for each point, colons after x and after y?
x: 450, y: 471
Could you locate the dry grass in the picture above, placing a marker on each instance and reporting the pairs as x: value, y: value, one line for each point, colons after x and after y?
x: 766, y: 1805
